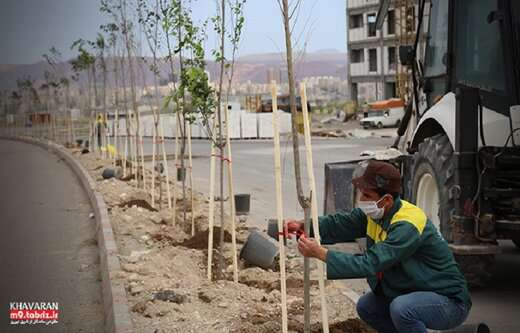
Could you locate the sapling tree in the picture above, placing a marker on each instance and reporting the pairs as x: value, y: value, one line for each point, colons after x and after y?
x: 53, y: 85
x: 121, y: 15
x: 99, y: 45
x: 112, y: 31
x: 86, y: 62
x: 150, y: 19
x: 192, y: 95
x: 228, y: 31
x: 28, y: 93
x: 288, y: 13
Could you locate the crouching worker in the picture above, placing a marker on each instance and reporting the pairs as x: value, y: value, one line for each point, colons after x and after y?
x: 415, y: 282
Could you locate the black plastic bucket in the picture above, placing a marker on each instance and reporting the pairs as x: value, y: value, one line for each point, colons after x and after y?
x: 470, y: 328
x: 181, y: 174
x: 242, y: 204
x: 272, y: 230
x: 112, y: 173
x: 259, y: 250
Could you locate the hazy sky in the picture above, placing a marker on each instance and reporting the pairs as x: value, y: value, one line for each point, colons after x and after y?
x: 28, y: 28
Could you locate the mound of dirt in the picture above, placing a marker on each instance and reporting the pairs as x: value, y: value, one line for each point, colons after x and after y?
x: 200, y: 240
x: 270, y: 280
x: 139, y: 203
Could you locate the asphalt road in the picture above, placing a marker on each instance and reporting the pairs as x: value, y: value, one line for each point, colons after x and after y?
x: 253, y: 170
x: 48, y: 245
x: 498, y: 304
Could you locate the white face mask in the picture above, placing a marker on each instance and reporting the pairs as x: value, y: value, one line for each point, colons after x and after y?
x: 370, y: 209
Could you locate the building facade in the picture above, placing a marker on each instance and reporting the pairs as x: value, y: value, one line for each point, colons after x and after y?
x: 373, y: 69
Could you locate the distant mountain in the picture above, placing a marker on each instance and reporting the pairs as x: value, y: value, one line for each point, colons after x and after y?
x: 254, y: 68
x: 327, y: 51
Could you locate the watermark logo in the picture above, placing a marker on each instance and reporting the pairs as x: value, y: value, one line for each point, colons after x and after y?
x: 32, y: 313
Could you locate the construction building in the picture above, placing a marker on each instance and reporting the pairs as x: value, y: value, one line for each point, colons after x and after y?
x: 373, y: 72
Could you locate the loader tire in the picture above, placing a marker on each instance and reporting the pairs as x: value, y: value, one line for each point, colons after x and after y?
x: 517, y: 242
x: 434, y: 162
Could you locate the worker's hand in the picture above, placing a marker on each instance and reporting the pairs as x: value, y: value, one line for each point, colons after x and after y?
x: 310, y: 248
x: 292, y: 227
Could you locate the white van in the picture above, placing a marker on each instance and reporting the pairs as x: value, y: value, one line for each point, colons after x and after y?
x: 383, y: 114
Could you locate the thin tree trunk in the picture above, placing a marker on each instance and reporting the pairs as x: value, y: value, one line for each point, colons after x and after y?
x: 221, y: 137
x: 127, y: 113
x: 172, y: 71
x: 182, y: 126
x: 116, y: 105
x: 153, y: 44
x: 105, y: 122
x: 166, y: 170
x: 157, y: 119
x: 304, y: 202
x: 143, y: 169
x: 94, y: 84
x: 128, y: 45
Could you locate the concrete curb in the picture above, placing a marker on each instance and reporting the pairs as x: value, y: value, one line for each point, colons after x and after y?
x: 115, y: 303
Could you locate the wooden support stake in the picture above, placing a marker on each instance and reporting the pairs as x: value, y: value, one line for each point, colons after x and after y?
x: 69, y: 127
x: 190, y: 170
x: 95, y: 139
x: 116, y: 136
x: 108, y: 151
x: 125, y: 154
x: 135, y: 153
x: 211, y: 212
x: 141, y: 153
x: 131, y: 143
x: 131, y: 153
x: 101, y: 136
x: 165, y: 161
x: 49, y: 128
x: 279, y: 205
x: 73, y: 129
x: 307, y: 277
x: 107, y: 136
x: 314, y: 204
x: 53, y: 126
x: 90, y: 134
x: 176, y: 162
x: 152, y: 186
x: 231, y: 193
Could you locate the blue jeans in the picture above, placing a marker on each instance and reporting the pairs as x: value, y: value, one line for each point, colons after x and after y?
x: 411, y: 313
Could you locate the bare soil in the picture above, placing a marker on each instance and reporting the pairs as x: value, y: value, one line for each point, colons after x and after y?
x: 163, y: 269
